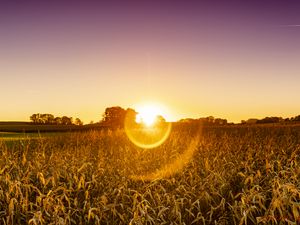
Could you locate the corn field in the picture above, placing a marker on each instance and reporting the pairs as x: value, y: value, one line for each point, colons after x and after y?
x: 222, y: 175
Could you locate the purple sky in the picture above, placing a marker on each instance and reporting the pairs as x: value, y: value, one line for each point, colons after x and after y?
x: 224, y: 59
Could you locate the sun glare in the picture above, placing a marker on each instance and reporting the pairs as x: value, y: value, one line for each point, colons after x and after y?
x: 153, y: 132
x: 148, y: 114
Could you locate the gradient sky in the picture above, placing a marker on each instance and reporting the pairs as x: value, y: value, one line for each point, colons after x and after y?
x: 233, y: 61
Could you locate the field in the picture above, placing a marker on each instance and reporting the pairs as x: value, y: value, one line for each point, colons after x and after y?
x: 211, y: 175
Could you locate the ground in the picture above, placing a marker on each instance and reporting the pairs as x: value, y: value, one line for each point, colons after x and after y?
x: 223, y: 175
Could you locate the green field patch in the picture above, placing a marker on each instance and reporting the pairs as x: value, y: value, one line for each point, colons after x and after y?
x: 12, y: 136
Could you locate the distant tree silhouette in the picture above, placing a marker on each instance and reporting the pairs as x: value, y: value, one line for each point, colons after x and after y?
x: 57, y: 120
x: 131, y: 114
x: 42, y: 118
x: 66, y: 120
x: 47, y: 118
x: 160, y: 119
x: 296, y: 118
x: 270, y: 120
x: 210, y: 120
x: 251, y: 121
x: 219, y: 121
x: 115, y: 116
x: 78, y: 122
x: 34, y: 118
x: 187, y: 120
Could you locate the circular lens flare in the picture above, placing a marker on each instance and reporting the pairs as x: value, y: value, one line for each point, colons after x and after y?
x: 171, y: 168
x: 147, y: 129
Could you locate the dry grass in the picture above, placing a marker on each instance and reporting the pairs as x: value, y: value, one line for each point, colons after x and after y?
x: 233, y: 175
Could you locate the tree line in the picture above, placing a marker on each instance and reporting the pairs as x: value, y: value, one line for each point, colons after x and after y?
x: 47, y: 118
x: 115, y: 116
x: 210, y: 120
x: 272, y: 119
x: 112, y: 117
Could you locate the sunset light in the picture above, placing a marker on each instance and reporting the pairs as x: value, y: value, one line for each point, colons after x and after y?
x: 148, y: 114
x: 150, y: 129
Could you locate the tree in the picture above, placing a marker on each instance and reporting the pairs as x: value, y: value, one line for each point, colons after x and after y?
x: 47, y: 118
x: 252, y: 121
x: 160, y: 119
x: 296, y: 118
x: 66, y: 120
x: 270, y: 120
x: 131, y: 114
x: 43, y: 118
x: 57, y: 120
x: 210, y: 119
x: 78, y: 122
x: 219, y: 121
x: 115, y: 116
x: 34, y: 118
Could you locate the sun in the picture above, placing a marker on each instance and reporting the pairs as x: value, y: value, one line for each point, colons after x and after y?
x: 147, y: 114
x: 149, y: 128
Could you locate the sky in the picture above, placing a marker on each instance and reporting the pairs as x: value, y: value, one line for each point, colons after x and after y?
x: 228, y: 60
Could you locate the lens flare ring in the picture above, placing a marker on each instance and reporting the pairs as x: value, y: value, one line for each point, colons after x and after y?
x: 137, y: 134
x: 146, y: 137
x: 170, y: 169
